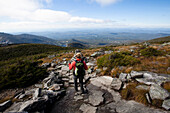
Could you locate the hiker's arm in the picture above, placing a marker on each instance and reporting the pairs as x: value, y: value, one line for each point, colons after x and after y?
x: 85, y: 66
x: 71, y: 65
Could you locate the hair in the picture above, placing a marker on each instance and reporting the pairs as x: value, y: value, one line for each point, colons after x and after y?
x: 78, y: 55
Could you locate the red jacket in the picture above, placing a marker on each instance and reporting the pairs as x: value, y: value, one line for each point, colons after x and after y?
x: 73, y: 65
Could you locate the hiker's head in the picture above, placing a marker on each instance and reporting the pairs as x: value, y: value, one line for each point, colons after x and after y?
x: 77, y: 51
x: 78, y: 55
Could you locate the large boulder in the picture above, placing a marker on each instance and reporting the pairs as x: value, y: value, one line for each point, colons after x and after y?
x: 135, y: 74
x: 5, y: 105
x: 86, y: 108
x: 96, y: 98
x: 33, y: 105
x: 116, y: 84
x: 102, y: 81
x: 123, y: 77
x: 150, y: 78
x: 46, y: 65
x: 166, y: 104
x: 37, y: 93
x: 134, y: 107
x: 143, y: 87
x: 157, y: 92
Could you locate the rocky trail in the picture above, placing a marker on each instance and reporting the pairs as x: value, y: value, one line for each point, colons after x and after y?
x: 55, y: 94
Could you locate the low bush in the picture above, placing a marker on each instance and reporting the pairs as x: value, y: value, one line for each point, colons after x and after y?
x: 116, y: 59
x: 151, y: 52
x: 20, y: 74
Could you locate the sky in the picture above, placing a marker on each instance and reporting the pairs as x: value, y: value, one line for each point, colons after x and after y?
x: 48, y: 15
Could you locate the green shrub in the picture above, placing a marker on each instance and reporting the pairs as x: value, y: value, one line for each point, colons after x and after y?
x: 151, y: 52
x: 116, y: 59
x: 20, y: 74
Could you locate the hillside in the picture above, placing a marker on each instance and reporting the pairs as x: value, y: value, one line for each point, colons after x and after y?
x: 25, y: 38
x: 77, y: 45
x: 19, y: 63
x: 115, y: 74
x: 160, y: 40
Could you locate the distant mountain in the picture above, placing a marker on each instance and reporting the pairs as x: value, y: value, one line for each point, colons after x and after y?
x: 25, y: 38
x: 77, y: 45
x: 160, y: 40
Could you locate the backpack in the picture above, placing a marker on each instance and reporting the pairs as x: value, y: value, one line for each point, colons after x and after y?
x: 79, y: 68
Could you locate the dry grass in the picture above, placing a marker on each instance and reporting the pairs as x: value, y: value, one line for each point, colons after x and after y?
x: 131, y: 93
x: 157, y: 103
x: 154, y: 64
x: 6, y: 98
x: 167, y: 86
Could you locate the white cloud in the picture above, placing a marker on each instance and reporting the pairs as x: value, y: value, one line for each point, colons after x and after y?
x: 85, y: 20
x: 30, y: 15
x: 106, y: 2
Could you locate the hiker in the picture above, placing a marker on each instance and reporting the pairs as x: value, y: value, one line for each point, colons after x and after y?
x: 79, y: 67
x: 82, y: 57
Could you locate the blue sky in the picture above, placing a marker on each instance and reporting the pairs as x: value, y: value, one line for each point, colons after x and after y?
x: 42, y: 15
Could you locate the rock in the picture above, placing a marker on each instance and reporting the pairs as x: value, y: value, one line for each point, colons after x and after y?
x: 21, y: 96
x: 144, y: 87
x: 116, y: 84
x: 128, y: 77
x: 90, y: 64
x: 98, y: 71
x: 55, y: 87
x: 51, y: 69
x: 148, y: 98
x: 123, y: 77
x: 134, y: 107
x: 108, y: 52
x: 51, y: 56
x: 96, y: 98
x: 157, y: 92
x: 102, y: 81
x: 33, y: 105
x: 38, y: 85
x: 5, y: 105
x: 30, y: 92
x: 14, y: 108
x: 78, y: 97
x: 166, y: 104
x: 86, y: 108
x: 65, y: 68
x: 135, y: 74
x: 53, y: 65
x: 152, y: 78
x: 104, y: 68
x: 90, y: 70
x: 45, y: 65
x: 37, y: 93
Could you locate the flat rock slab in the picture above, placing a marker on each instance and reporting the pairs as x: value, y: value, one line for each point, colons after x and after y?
x: 78, y: 97
x: 166, y: 104
x: 123, y: 77
x: 116, y: 84
x: 86, y: 108
x: 143, y: 87
x: 135, y: 74
x: 134, y: 107
x: 157, y: 92
x: 96, y: 98
x: 102, y: 81
x: 5, y: 105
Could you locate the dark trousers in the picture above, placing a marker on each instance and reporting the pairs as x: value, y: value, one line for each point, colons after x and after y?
x: 80, y: 82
